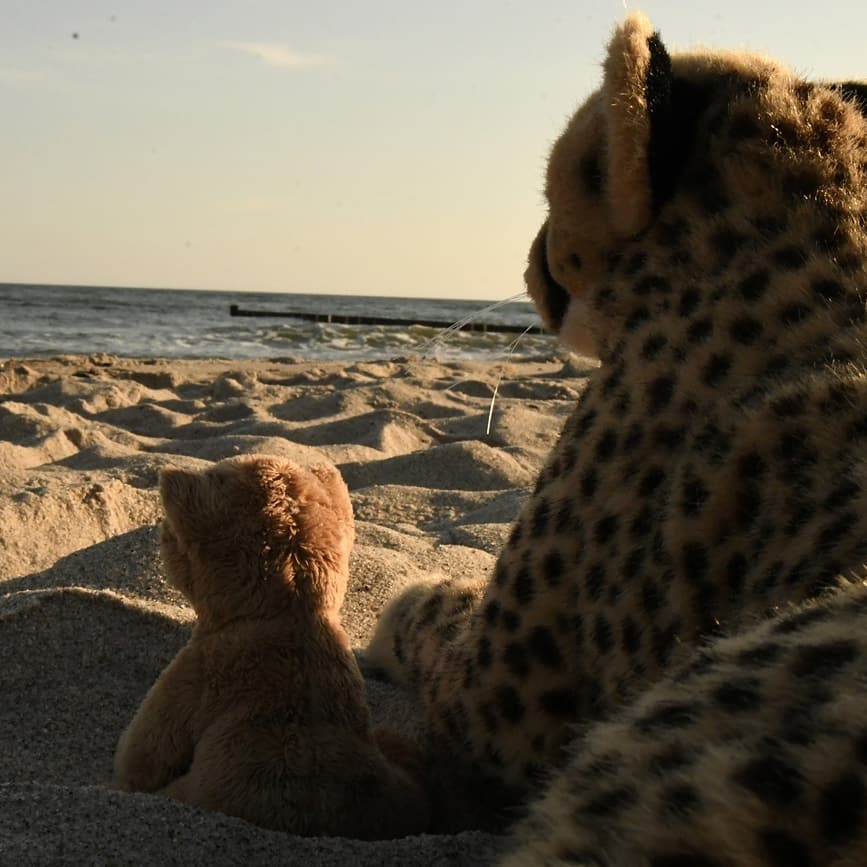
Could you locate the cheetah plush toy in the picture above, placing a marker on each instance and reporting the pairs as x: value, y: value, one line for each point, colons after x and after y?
x: 262, y: 715
x: 670, y: 655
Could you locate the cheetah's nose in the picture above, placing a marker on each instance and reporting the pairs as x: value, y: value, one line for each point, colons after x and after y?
x: 550, y: 298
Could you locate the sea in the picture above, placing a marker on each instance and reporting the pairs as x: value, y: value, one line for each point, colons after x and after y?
x: 38, y: 320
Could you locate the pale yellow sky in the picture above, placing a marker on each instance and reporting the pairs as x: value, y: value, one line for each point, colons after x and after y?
x: 372, y: 147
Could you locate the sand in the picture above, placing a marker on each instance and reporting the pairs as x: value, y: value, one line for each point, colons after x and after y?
x: 87, y: 623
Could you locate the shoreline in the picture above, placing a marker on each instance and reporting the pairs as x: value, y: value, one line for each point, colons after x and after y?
x: 46, y: 321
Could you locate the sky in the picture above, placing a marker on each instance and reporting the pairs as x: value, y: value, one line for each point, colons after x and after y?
x: 365, y: 147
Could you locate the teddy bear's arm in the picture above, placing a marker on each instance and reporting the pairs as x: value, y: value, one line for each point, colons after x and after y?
x: 397, y: 806
x: 158, y: 744
x: 181, y: 789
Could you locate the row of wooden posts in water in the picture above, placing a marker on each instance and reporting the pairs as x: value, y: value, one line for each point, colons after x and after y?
x: 354, y: 319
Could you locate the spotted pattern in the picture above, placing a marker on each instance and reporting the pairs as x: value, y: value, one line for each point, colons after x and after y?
x: 686, y: 581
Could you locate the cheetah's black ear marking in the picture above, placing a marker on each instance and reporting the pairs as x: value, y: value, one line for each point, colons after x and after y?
x: 854, y: 91
x: 657, y: 79
x: 658, y: 94
x: 673, y: 105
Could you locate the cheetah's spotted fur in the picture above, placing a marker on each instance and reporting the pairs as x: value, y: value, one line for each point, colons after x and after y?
x: 686, y: 582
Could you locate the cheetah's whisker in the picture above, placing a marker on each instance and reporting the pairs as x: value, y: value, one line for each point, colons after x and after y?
x: 512, y: 347
x: 491, y: 410
x: 460, y: 323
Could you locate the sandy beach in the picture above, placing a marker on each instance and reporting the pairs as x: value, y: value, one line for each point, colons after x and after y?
x: 87, y: 623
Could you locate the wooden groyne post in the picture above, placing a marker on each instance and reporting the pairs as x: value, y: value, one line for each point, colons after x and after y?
x: 352, y: 319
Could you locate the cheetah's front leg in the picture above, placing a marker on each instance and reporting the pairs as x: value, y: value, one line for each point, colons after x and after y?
x: 471, y: 666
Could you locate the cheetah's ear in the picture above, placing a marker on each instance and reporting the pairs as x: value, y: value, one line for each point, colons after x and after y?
x: 637, y: 99
x: 854, y: 91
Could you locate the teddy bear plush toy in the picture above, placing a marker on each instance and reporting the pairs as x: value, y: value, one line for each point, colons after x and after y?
x: 262, y: 715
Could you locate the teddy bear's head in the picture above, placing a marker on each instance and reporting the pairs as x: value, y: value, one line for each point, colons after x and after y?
x: 255, y: 535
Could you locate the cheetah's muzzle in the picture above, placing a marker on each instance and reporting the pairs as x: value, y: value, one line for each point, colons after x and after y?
x: 550, y: 298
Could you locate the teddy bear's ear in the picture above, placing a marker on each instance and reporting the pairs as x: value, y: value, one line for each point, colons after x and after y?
x: 179, y: 489
x: 637, y: 96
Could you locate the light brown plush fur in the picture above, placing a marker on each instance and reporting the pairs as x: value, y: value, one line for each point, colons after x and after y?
x: 262, y: 715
